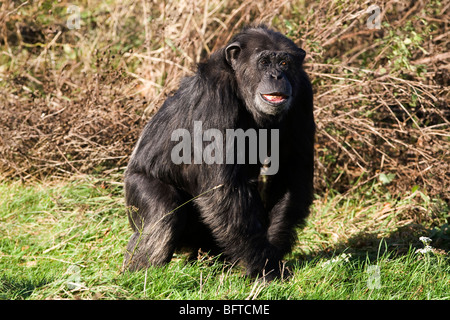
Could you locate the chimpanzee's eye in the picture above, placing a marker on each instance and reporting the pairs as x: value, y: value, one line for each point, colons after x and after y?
x: 264, y: 62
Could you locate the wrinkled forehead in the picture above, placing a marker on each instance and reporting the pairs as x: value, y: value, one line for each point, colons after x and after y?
x: 271, y: 55
x: 262, y: 42
x: 257, y: 42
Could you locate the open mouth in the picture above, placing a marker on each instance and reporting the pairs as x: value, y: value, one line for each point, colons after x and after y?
x: 275, y: 97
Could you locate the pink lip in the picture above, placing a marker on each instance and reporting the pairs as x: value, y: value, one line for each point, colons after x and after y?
x: 274, y: 97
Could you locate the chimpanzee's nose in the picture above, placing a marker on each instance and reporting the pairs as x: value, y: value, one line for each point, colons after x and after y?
x: 276, y: 74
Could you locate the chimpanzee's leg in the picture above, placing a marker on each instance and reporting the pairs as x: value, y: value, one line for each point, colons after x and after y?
x: 234, y: 215
x: 156, y: 226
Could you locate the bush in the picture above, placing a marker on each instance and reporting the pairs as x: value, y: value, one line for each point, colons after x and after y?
x: 75, y: 101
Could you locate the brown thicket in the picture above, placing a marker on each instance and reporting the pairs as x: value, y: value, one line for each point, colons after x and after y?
x: 75, y: 100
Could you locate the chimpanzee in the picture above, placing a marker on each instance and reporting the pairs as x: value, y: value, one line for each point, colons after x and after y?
x: 182, y: 193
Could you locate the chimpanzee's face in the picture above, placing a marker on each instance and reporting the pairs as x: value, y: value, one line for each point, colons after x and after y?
x: 274, y: 91
x: 265, y: 72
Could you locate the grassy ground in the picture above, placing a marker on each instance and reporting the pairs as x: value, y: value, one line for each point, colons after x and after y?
x: 66, y: 240
x: 74, y: 101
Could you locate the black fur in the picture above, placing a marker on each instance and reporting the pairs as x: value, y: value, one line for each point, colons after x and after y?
x: 246, y: 222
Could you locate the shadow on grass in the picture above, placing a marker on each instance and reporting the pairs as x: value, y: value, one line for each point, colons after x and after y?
x: 366, y: 245
x: 17, y: 288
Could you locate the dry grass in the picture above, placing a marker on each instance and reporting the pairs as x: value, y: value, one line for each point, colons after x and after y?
x: 75, y: 101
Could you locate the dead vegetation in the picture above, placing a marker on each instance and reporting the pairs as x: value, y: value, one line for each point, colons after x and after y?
x: 75, y: 100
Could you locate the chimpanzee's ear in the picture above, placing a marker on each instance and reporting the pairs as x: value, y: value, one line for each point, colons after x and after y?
x: 301, y: 55
x: 231, y: 53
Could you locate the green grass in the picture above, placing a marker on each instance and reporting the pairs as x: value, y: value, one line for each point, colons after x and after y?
x: 66, y: 240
